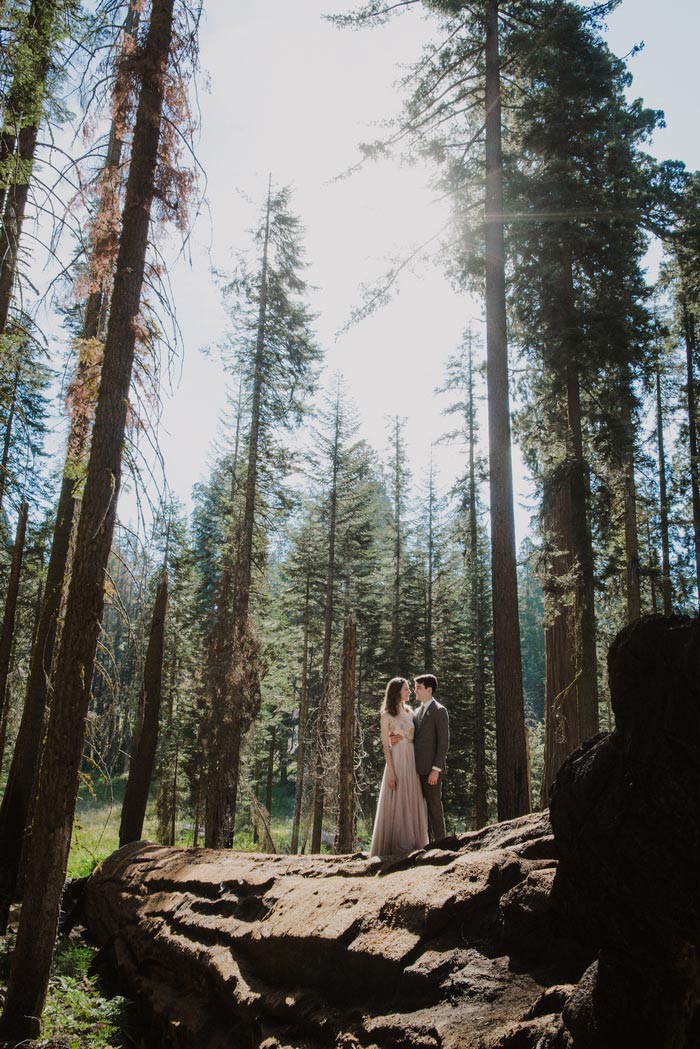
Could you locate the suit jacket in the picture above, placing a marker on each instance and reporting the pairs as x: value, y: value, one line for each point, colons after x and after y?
x: 432, y: 738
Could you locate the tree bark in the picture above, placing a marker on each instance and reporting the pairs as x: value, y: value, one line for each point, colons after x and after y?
x: 270, y: 770
x: 571, y: 677
x: 74, y: 660
x: 429, y: 653
x: 632, y: 561
x: 346, y: 798
x: 396, y: 602
x: 303, y: 722
x: 13, y: 219
x: 322, y: 713
x: 512, y: 762
x: 562, y: 641
x: 583, y: 554
x: 666, y: 589
x: 146, y: 734
x: 23, y: 114
x: 480, y: 785
x: 8, y: 621
x: 7, y: 441
x: 690, y: 347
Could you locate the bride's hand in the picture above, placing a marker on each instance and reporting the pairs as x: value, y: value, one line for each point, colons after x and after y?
x: 395, y: 738
x: 391, y: 781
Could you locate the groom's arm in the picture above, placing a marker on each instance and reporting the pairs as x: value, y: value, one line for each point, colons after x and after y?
x: 442, y: 730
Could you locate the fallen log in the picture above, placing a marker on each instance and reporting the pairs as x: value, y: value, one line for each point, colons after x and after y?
x: 226, y: 949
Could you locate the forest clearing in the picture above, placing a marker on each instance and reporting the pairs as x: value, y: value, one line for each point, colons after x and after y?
x: 349, y: 376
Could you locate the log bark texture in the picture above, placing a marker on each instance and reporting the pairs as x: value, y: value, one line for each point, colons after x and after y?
x: 626, y: 814
x: 226, y: 948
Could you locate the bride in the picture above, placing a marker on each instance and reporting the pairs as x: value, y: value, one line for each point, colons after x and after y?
x: 401, y: 823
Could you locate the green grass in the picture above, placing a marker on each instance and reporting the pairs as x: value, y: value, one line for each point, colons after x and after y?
x: 96, y: 827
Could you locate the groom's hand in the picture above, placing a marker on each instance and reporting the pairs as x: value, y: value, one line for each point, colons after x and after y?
x: 433, y: 777
x: 395, y: 738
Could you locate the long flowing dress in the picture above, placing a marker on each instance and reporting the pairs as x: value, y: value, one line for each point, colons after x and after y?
x: 401, y: 823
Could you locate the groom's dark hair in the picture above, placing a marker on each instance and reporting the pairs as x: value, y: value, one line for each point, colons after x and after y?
x: 429, y: 680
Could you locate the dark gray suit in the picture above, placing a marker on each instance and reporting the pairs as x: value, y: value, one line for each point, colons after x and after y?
x: 431, y: 742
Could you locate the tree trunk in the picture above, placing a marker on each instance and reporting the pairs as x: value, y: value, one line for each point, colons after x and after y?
x: 512, y: 762
x: 396, y: 602
x: 7, y: 441
x: 13, y: 219
x: 322, y: 713
x: 632, y: 562
x: 146, y: 735
x: 8, y: 622
x: 480, y: 785
x: 571, y: 676
x: 690, y: 346
x: 15, y: 807
x: 23, y: 113
x: 583, y: 555
x: 74, y: 659
x: 346, y: 806
x: 270, y: 770
x: 561, y: 637
x: 429, y: 654
x: 303, y: 723
x: 666, y: 589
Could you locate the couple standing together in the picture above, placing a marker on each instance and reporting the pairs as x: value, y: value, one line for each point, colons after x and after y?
x: 415, y: 746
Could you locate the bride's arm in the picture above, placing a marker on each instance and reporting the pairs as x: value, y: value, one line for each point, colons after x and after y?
x: 386, y: 746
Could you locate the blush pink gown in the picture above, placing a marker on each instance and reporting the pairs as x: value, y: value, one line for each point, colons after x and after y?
x: 401, y: 823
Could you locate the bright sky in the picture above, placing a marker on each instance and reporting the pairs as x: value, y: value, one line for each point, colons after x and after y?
x: 292, y: 95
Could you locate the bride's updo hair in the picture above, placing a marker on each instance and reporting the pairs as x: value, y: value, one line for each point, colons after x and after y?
x: 392, y: 696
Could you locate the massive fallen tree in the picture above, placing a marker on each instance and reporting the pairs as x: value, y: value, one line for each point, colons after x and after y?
x: 479, y: 943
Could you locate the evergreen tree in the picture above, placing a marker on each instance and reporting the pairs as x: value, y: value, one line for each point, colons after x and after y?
x: 276, y: 357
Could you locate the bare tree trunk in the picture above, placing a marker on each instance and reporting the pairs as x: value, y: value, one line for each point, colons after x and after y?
x: 74, y: 660
x: 690, y: 346
x: 8, y: 622
x: 13, y: 219
x: 571, y: 676
x: 562, y: 644
x: 173, y: 810
x: 146, y: 734
x: 346, y: 807
x: 512, y: 761
x: 582, y: 549
x: 396, y: 603
x: 480, y: 785
x: 23, y: 114
x: 429, y: 655
x: 270, y: 770
x: 7, y: 441
x: 303, y: 723
x: 322, y: 713
x: 653, y: 569
x: 666, y: 589
x: 632, y: 560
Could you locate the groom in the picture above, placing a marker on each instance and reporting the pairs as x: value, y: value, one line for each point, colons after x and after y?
x: 431, y: 742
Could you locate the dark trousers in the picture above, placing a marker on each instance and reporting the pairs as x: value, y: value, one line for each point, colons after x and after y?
x: 433, y: 799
